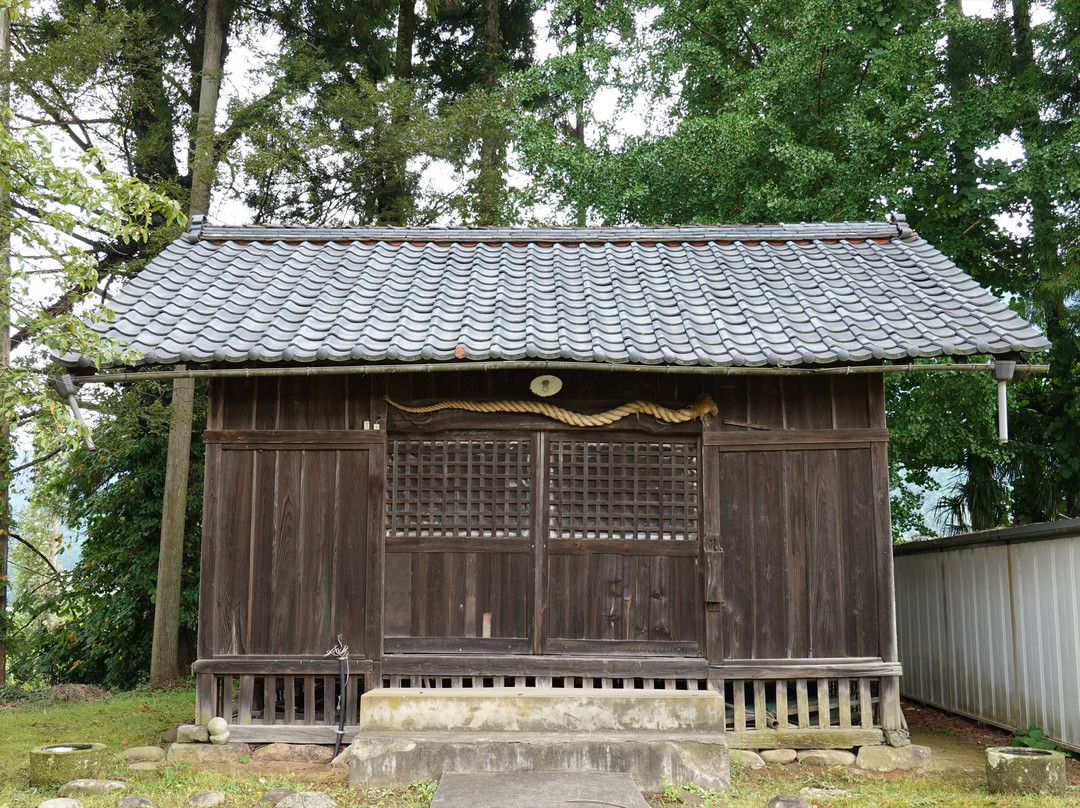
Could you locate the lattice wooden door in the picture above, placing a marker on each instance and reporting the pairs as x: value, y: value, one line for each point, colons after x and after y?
x: 542, y: 542
x: 622, y: 545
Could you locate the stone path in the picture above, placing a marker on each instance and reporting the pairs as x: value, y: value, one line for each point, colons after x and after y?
x: 538, y: 790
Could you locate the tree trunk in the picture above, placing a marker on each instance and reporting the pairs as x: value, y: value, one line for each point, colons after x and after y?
x: 406, y: 39
x: 581, y: 206
x: 163, y: 654
x: 489, y: 184
x: 204, y: 160
x: 5, y: 343
x: 392, y: 199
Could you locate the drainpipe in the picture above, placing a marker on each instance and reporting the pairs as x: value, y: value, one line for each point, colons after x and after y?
x: 1003, y: 371
x: 66, y: 388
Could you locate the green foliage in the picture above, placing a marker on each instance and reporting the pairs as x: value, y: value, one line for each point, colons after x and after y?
x: 60, y: 208
x: 1033, y: 738
x: 104, y: 612
x: 825, y: 110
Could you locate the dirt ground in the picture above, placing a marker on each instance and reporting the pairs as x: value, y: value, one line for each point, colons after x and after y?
x: 959, y: 743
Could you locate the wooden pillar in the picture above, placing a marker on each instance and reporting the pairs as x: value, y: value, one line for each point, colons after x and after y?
x: 163, y: 665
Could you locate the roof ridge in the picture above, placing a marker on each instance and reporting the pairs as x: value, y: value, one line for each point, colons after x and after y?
x: 800, y: 231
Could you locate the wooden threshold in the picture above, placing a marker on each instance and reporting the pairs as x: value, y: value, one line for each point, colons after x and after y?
x: 279, y: 665
x: 803, y: 669
x: 547, y: 665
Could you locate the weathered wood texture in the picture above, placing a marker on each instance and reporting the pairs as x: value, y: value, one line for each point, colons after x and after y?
x: 757, y: 537
x: 280, y: 701
x: 287, y: 550
x: 791, y: 506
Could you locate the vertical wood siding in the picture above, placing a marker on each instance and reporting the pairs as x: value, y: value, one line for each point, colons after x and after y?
x: 286, y: 550
x: 793, y: 562
x: 993, y: 632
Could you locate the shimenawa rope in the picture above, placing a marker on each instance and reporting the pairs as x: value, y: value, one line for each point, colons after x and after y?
x: 702, y: 408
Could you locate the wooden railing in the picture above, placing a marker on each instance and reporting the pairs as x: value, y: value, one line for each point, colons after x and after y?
x: 840, y: 703
x: 830, y: 695
x: 278, y: 691
x: 555, y: 682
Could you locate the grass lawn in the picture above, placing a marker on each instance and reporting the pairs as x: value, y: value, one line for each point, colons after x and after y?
x: 139, y: 719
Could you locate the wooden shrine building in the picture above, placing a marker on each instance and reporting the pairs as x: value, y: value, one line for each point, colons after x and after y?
x: 638, y: 459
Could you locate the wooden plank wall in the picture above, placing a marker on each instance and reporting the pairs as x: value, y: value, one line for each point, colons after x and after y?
x: 793, y: 506
x: 795, y: 563
x: 295, y: 487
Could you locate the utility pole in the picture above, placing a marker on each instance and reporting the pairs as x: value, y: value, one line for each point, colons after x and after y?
x: 163, y: 654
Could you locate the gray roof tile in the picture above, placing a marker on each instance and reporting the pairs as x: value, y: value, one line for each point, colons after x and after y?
x: 730, y: 295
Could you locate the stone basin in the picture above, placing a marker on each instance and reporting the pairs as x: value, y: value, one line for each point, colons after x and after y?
x: 1019, y: 770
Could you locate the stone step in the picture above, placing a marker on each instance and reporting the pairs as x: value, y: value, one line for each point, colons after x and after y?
x: 536, y: 790
x: 532, y: 710
x: 395, y: 759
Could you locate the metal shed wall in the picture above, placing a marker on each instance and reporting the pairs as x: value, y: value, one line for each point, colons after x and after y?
x: 989, y: 626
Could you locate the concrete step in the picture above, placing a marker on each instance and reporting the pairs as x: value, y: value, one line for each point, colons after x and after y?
x: 395, y: 759
x: 537, y: 790
x: 540, y: 710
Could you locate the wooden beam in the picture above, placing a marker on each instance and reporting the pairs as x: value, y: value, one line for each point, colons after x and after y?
x: 788, y: 439
x: 803, y: 669
x: 306, y: 439
x: 277, y: 665
x: 549, y: 665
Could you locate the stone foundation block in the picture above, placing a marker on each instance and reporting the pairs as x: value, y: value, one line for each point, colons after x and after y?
x: 397, y: 759
x: 207, y: 753
x: 826, y: 757
x: 892, y: 759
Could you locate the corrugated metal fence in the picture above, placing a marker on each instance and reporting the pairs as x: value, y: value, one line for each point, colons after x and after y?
x: 989, y: 626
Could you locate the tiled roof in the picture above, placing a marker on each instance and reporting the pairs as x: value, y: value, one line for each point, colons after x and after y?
x: 728, y: 295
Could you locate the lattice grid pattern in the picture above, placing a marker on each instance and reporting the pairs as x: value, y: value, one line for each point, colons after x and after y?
x: 623, y: 490
x: 463, y: 488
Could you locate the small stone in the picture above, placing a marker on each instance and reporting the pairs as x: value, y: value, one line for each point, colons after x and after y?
x: 135, y: 801
x: 826, y: 757
x: 820, y: 793
x: 144, y: 766
x: 276, y: 795
x: 691, y: 799
x: 891, y: 759
x: 143, y: 753
x: 216, y: 726
x: 205, y: 799
x: 207, y: 753
x: 219, y: 737
x: 87, y: 786
x: 897, y: 737
x: 746, y: 758
x: 787, y: 801
x: 61, y: 802
x: 781, y: 756
x: 192, y: 733
x: 294, y: 753
x: 169, y: 736
x: 307, y: 799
